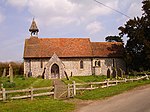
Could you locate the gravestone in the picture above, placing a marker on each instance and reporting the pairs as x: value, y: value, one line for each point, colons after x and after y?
x: 10, y: 73
x: 114, y: 73
x: 124, y: 74
x: 29, y: 74
x: 4, y: 72
x: 108, y: 73
x: 120, y: 73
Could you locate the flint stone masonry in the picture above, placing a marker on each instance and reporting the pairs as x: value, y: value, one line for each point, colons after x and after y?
x: 72, y: 66
x: 54, y: 60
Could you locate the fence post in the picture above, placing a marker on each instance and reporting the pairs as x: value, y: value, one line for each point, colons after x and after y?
x: 74, y: 88
x: 91, y: 86
x: 31, y: 93
x: 55, y: 89
x: 3, y: 92
x: 68, y: 90
x: 116, y: 82
x: 147, y: 78
x: 125, y: 80
x: 107, y: 84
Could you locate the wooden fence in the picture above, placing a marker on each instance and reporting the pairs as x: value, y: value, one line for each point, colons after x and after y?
x: 73, y: 88
x: 51, y: 91
x: 31, y: 93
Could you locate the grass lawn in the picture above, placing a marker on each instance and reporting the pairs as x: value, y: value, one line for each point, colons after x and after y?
x: 47, y: 104
x: 81, y: 79
x: 21, y: 82
x: 37, y: 105
x: 110, y: 91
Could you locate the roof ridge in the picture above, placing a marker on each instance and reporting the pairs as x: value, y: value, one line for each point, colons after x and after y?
x: 69, y: 47
x: 63, y: 38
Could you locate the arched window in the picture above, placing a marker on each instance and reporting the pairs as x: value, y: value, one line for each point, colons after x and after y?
x: 95, y: 63
x: 81, y: 64
x: 99, y: 63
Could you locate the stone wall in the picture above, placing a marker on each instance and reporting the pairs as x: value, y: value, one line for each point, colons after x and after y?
x: 108, y: 63
x: 72, y: 66
x: 35, y: 66
x: 26, y: 66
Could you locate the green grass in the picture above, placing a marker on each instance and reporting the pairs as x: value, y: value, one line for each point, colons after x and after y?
x: 46, y: 104
x: 110, y: 91
x: 21, y: 82
x: 81, y: 79
x: 42, y: 83
x: 37, y: 105
x: 91, y: 78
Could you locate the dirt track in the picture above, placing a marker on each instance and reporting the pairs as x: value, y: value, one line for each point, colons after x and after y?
x: 137, y: 100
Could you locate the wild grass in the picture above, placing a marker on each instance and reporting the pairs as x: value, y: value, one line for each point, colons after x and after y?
x: 37, y: 105
x: 47, y: 104
x: 110, y: 91
x: 22, y: 83
x: 81, y: 79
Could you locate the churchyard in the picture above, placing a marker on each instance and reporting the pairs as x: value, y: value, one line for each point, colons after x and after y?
x: 81, y: 87
x: 38, y: 104
x: 48, y: 103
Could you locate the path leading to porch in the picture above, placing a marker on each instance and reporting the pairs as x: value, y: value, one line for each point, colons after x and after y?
x: 60, y: 89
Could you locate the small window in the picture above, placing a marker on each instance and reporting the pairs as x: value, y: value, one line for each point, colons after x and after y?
x: 81, y: 64
x: 95, y: 63
x: 99, y: 63
x: 41, y: 64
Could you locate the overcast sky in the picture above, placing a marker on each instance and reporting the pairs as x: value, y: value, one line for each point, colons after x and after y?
x: 60, y: 18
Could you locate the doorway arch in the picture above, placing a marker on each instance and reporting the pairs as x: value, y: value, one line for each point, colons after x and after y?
x: 55, y: 71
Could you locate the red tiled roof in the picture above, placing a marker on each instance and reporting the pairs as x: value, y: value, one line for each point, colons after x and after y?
x: 63, y: 47
x: 107, y: 49
x: 69, y: 47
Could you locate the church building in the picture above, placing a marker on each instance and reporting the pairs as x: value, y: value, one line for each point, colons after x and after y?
x: 64, y: 57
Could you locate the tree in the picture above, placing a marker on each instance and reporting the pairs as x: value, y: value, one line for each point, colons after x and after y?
x: 113, y: 39
x: 138, y: 43
x: 18, y: 68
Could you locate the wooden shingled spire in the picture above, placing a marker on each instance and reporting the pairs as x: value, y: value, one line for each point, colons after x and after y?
x: 34, y: 29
